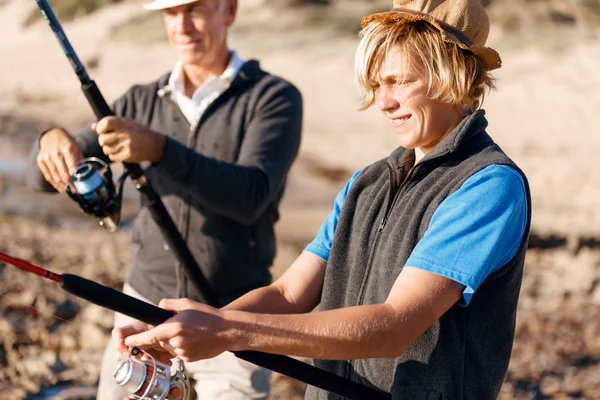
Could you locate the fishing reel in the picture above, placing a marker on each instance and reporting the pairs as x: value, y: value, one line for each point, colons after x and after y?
x: 146, y: 378
x: 95, y: 192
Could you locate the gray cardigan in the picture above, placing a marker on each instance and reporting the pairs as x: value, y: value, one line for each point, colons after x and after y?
x: 221, y: 182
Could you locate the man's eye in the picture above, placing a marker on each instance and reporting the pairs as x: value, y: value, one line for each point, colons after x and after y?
x: 197, y: 11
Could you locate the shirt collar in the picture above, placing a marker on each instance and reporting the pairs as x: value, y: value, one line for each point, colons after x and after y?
x: 176, y: 80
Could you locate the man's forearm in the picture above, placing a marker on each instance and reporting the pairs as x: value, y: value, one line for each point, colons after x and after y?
x: 238, y: 192
x: 350, y: 333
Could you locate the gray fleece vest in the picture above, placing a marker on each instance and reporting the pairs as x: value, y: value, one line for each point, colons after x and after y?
x: 465, y: 354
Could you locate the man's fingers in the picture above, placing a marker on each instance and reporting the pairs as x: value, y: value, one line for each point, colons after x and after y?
x: 109, y: 150
x: 55, y: 179
x: 108, y: 139
x: 107, y: 124
x: 58, y: 160
x: 72, y: 157
x: 48, y: 175
x: 120, y: 156
x: 52, y: 172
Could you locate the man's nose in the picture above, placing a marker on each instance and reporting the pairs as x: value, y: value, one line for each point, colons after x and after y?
x: 183, y: 22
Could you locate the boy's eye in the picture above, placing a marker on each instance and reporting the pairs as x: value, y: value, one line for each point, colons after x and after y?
x: 403, y: 83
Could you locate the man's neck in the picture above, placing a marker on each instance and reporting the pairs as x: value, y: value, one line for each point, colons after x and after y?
x: 195, y: 76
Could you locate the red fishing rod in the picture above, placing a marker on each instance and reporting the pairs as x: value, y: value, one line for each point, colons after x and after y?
x: 34, y: 269
x: 114, y: 300
x: 98, y: 294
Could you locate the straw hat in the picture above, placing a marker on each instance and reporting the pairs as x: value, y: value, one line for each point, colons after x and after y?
x: 464, y: 22
x: 162, y: 4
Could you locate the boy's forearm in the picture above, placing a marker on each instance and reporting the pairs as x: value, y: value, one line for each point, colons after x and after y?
x: 264, y: 300
x: 349, y: 333
x: 297, y: 291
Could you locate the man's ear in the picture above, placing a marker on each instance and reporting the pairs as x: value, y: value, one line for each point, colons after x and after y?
x: 231, y: 7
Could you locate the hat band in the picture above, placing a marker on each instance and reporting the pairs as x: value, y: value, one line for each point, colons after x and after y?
x: 448, y: 28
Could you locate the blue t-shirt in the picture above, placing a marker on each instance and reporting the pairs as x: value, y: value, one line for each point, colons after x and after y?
x: 467, y: 239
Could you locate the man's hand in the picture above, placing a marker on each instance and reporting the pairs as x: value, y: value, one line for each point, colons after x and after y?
x: 58, y: 158
x: 124, y: 140
x: 197, y: 332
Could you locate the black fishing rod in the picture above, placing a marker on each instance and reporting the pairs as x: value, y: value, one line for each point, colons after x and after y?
x: 106, y: 297
x: 114, y: 300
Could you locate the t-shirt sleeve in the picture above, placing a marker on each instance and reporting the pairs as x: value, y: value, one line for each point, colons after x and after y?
x: 321, y: 244
x: 476, y: 230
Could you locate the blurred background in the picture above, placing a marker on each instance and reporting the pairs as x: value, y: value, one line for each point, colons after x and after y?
x: 544, y: 115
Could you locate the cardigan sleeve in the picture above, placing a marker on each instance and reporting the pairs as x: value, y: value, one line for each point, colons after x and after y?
x: 244, y: 189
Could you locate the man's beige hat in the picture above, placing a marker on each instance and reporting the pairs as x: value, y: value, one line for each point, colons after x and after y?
x: 464, y: 22
x: 162, y: 4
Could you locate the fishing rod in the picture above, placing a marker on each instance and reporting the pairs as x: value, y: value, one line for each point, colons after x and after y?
x: 104, y: 296
x: 114, y: 300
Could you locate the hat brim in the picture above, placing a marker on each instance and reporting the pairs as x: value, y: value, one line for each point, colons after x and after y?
x: 489, y: 57
x: 164, y: 4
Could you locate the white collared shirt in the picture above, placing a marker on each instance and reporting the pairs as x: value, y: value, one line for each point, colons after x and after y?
x: 203, y: 97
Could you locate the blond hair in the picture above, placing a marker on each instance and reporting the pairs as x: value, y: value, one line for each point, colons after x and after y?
x: 456, y: 76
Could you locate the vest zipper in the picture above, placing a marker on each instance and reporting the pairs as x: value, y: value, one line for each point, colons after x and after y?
x: 398, y: 178
x: 396, y: 184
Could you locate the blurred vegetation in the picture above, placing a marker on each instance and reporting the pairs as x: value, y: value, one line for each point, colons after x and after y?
x: 67, y: 10
x: 549, y: 25
x: 510, y: 13
x: 520, y: 19
x: 145, y: 29
x: 515, y: 15
x: 296, y: 3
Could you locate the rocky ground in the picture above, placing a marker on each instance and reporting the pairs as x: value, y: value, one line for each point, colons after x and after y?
x: 51, y: 340
x: 544, y: 115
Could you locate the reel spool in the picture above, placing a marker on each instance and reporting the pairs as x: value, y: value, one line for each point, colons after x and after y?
x: 146, y: 378
x: 95, y: 192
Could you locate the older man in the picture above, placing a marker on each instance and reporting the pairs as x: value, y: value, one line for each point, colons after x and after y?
x: 221, y: 135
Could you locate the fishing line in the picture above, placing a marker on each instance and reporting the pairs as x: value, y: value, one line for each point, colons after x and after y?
x: 27, y: 307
